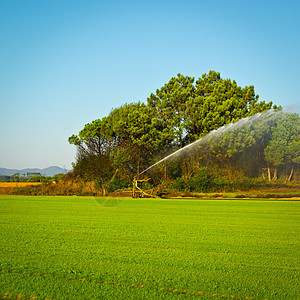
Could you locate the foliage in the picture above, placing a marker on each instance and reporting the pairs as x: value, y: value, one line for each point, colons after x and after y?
x: 284, y: 146
x: 201, y: 182
x: 192, y: 110
x: 136, y: 135
x: 33, y: 177
x: 117, y: 184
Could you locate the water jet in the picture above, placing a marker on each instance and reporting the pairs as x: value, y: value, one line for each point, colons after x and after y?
x: 212, y: 137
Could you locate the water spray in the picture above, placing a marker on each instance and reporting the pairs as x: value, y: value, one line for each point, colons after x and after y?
x: 211, y: 136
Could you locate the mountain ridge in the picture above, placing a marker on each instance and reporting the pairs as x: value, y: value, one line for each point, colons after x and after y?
x: 50, y: 171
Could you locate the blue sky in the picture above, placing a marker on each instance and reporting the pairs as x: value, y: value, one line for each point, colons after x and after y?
x: 66, y: 63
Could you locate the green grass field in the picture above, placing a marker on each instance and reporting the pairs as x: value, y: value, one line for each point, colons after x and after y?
x: 81, y: 248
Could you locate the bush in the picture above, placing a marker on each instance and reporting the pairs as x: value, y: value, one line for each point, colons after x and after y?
x: 243, y: 183
x: 202, y: 182
x: 180, y: 184
x: 117, y: 184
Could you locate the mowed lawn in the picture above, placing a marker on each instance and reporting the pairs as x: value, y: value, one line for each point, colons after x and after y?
x: 88, y: 248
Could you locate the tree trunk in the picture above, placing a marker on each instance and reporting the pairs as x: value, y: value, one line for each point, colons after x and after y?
x: 275, y: 174
x: 269, y: 174
x: 165, y: 171
x: 138, y: 163
x: 291, y: 175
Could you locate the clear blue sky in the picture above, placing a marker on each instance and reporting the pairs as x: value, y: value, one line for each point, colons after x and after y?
x: 66, y: 63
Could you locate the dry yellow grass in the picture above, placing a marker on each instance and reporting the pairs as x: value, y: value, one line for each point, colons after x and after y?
x: 18, y: 184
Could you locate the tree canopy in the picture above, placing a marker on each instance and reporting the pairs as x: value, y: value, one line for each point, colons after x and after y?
x: 135, y: 135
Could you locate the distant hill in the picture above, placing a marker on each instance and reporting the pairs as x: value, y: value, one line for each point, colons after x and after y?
x: 51, y: 171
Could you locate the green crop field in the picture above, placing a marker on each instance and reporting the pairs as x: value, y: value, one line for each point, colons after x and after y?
x: 84, y: 248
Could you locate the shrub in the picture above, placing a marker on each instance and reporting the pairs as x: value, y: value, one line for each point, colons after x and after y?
x: 117, y: 184
x: 201, y: 182
x: 180, y: 184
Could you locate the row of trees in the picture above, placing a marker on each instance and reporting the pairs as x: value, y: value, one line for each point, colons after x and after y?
x: 254, y: 146
x: 32, y: 177
x: 283, y: 150
x: 136, y: 135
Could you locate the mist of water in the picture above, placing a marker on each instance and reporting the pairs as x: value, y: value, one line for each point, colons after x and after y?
x: 212, y: 137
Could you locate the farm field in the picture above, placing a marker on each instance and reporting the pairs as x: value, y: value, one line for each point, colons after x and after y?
x: 18, y: 184
x: 108, y: 248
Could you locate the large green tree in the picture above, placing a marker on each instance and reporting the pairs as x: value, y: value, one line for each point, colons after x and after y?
x: 135, y: 135
x: 191, y: 109
x: 284, y: 146
x: 170, y: 104
x: 141, y: 132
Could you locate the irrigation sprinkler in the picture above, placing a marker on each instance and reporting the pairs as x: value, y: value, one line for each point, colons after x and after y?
x: 137, y: 191
x: 260, y: 120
